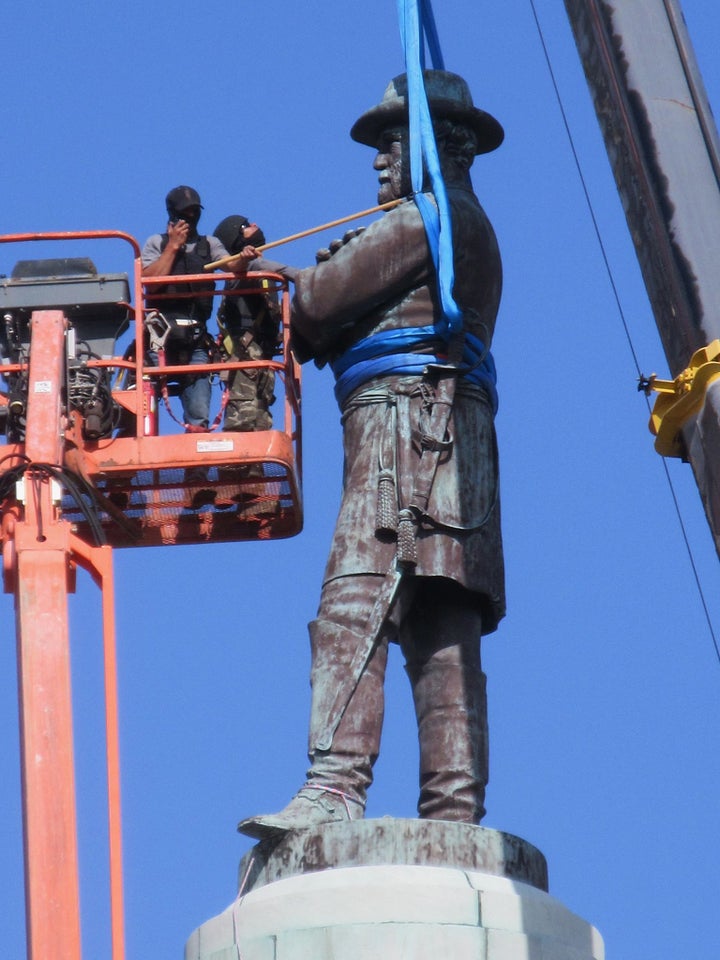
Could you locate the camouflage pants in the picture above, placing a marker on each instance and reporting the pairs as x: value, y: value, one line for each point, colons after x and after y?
x: 250, y: 392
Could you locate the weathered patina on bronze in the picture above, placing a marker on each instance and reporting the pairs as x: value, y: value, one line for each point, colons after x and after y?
x: 417, y: 552
x: 393, y: 841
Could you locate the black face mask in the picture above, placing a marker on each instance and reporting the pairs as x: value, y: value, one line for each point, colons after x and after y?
x: 256, y: 239
x: 237, y: 241
x: 190, y: 218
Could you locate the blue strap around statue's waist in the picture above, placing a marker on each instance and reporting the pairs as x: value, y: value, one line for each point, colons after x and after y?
x: 393, y: 353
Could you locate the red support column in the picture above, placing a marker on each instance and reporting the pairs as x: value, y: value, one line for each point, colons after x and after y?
x: 48, y: 776
x: 98, y: 561
x: 42, y: 549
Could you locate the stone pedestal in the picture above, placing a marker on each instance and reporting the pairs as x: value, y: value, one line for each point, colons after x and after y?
x: 402, y: 889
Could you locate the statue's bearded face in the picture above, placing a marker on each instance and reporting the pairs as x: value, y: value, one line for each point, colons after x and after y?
x: 393, y: 165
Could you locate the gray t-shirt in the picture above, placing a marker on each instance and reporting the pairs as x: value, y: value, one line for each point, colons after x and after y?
x: 153, y: 248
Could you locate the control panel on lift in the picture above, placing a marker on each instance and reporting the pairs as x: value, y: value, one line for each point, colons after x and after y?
x: 132, y: 472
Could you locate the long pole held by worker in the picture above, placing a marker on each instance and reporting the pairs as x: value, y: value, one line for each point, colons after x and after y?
x: 306, y: 233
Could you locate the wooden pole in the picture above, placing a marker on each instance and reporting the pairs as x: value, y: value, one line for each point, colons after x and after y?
x: 306, y: 233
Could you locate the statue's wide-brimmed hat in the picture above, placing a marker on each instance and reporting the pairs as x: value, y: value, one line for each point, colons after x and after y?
x: 448, y: 96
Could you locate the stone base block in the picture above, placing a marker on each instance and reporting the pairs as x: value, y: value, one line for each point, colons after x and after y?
x: 405, y: 911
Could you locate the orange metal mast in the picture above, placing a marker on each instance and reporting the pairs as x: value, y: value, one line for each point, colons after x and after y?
x: 42, y: 547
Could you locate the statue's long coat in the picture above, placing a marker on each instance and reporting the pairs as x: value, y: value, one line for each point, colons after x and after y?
x: 383, y: 280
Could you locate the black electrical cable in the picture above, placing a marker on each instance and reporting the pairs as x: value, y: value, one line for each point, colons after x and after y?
x: 76, y: 487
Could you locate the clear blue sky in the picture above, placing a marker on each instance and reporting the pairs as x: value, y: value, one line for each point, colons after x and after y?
x: 604, y: 684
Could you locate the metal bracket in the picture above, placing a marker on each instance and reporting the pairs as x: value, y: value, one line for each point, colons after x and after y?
x: 680, y: 399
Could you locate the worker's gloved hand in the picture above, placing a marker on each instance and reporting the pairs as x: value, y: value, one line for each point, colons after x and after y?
x: 326, y: 252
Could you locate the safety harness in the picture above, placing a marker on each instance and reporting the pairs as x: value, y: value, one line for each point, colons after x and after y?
x: 158, y: 330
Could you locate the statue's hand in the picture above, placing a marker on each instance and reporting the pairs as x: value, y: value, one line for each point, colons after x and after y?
x: 351, y: 234
x: 326, y: 252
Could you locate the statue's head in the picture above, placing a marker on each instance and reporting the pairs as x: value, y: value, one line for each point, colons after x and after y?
x: 461, y: 131
x: 449, y: 98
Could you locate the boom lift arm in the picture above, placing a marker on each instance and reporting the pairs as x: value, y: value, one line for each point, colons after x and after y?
x: 73, y: 436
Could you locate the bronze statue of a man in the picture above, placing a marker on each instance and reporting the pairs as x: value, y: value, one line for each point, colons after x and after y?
x: 417, y: 551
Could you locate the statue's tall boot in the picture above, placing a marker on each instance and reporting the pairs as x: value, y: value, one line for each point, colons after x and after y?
x: 449, y: 692
x: 338, y: 778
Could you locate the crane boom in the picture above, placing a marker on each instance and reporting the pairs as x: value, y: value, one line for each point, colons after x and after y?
x: 663, y: 146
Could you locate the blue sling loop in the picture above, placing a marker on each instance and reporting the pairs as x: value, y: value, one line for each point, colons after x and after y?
x: 391, y: 352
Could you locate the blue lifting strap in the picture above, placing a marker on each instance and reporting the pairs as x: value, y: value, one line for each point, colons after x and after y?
x: 394, y: 352
x: 390, y: 353
x: 417, y: 25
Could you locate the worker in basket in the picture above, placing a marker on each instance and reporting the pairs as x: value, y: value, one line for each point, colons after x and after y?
x: 177, y: 328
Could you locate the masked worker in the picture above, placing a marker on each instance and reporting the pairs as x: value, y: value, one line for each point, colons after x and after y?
x: 182, y: 251
x: 250, y: 329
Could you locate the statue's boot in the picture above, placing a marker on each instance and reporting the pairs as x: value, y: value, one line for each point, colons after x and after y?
x: 451, y: 708
x: 338, y: 778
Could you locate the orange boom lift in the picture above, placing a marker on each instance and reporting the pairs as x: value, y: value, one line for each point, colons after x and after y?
x: 85, y: 469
